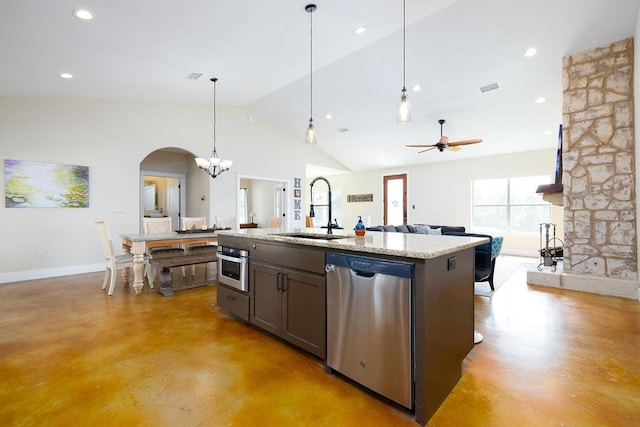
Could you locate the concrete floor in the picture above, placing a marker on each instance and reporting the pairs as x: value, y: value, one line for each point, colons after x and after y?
x: 71, y: 355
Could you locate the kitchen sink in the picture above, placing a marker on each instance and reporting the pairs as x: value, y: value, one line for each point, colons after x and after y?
x: 314, y: 236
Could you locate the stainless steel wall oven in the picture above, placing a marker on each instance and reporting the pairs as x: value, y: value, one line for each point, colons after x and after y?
x: 233, y: 268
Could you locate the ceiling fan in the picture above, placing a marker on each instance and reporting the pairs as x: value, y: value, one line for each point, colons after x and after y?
x: 444, y: 144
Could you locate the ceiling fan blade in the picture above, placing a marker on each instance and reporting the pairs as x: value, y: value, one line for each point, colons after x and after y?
x: 453, y: 148
x: 428, y: 149
x: 419, y: 145
x: 465, y: 142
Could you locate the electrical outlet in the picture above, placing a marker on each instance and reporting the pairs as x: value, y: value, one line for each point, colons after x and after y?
x: 451, y: 263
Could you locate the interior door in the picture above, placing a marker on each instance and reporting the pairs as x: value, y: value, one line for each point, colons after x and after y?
x: 169, y: 199
x: 395, y: 199
x: 279, y: 201
x: 173, y: 202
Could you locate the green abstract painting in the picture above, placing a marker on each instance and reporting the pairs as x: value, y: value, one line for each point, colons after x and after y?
x: 45, y: 185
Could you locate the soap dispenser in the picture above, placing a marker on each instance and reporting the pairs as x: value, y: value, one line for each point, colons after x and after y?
x: 359, y: 228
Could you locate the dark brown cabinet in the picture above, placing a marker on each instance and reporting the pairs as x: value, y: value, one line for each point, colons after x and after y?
x: 289, y: 303
x: 234, y: 302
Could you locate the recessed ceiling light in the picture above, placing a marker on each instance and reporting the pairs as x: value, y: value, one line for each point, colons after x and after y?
x: 360, y: 30
x: 66, y: 75
x: 416, y: 88
x: 540, y: 100
x: 547, y: 132
x: 329, y: 116
x: 83, y: 14
x: 530, y: 52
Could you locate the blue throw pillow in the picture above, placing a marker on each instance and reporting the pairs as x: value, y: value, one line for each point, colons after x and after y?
x: 434, y: 231
x: 402, y: 228
x: 420, y: 229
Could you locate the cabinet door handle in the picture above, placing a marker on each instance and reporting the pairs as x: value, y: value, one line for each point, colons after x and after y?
x: 284, y: 282
x: 278, y: 282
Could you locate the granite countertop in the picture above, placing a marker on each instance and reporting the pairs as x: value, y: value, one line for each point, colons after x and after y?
x: 412, y: 245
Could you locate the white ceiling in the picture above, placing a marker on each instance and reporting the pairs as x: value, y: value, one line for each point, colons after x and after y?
x: 144, y: 50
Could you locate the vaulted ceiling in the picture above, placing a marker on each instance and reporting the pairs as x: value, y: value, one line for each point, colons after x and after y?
x: 260, y: 51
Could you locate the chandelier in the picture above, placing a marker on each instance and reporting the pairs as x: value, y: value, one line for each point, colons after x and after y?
x: 214, y: 165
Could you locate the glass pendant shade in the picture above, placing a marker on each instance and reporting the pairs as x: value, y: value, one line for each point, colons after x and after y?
x: 404, y: 109
x: 310, y: 136
x: 202, y: 163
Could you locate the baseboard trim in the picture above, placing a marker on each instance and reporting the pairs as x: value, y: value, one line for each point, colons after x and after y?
x: 20, y: 276
x: 585, y: 283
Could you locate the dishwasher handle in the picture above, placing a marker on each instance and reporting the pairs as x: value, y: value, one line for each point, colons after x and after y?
x: 328, y: 268
x: 363, y: 273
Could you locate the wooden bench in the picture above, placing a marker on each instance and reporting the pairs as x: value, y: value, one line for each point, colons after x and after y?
x: 180, y: 261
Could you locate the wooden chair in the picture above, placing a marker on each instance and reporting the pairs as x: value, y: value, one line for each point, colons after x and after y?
x: 160, y: 226
x: 226, y: 222
x: 196, y: 223
x: 275, y: 223
x: 113, y: 262
x: 193, y: 222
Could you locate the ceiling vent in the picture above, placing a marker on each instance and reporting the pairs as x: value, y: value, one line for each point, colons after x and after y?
x: 343, y: 129
x: 489, y: 88
x: 194, y: 76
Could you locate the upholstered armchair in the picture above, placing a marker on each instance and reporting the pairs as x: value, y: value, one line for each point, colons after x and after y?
x: 486, y: 254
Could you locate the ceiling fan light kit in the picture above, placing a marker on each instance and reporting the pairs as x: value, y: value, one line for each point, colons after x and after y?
x: 443, y: 143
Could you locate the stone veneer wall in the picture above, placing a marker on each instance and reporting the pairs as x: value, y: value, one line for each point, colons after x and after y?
x: 599, y: 163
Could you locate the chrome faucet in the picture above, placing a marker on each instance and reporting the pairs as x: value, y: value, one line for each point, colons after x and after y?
x: 312, y: 213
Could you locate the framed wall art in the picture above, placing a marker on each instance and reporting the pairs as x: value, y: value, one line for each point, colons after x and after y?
x: 45, y: 185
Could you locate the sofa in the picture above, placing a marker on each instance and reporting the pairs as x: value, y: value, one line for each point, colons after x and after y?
x: 419, y: 228
x: 485, y: 254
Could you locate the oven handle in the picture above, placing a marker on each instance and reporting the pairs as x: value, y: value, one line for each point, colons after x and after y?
x: 242, y: 260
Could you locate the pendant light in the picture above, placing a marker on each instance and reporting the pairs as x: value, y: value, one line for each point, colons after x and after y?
x: 310, y: 135
x: 404, y: 108
x: 214, y: 166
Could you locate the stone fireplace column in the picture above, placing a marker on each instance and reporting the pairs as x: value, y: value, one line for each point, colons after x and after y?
x: 599, y: 194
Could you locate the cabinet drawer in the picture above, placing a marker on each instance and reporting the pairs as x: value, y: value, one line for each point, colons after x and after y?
x: 234, y: 302
x: 298, y: 257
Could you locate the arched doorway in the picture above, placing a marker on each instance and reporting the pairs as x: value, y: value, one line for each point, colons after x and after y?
x: 171, y: 186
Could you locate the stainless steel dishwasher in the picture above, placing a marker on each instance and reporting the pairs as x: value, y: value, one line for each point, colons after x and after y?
x: 369, y: 323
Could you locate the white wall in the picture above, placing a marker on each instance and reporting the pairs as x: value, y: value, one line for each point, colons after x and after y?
x: 440, y: 193
x: 112, y: 138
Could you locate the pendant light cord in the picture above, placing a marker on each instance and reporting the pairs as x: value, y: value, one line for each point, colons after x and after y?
x: 214, y: 154
x: 404, y: 45
x: 311, y: 68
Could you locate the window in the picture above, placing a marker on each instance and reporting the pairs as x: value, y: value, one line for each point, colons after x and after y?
x: 322, y: 211
x: 509, y: 204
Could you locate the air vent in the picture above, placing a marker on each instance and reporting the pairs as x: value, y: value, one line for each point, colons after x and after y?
x: 489, y: 88
x: 194, y: 76
x: 343, y: 129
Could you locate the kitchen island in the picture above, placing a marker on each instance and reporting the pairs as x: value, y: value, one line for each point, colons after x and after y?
x: 287, y: 295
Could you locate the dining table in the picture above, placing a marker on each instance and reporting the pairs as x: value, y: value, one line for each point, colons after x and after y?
x: 139, y: 245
